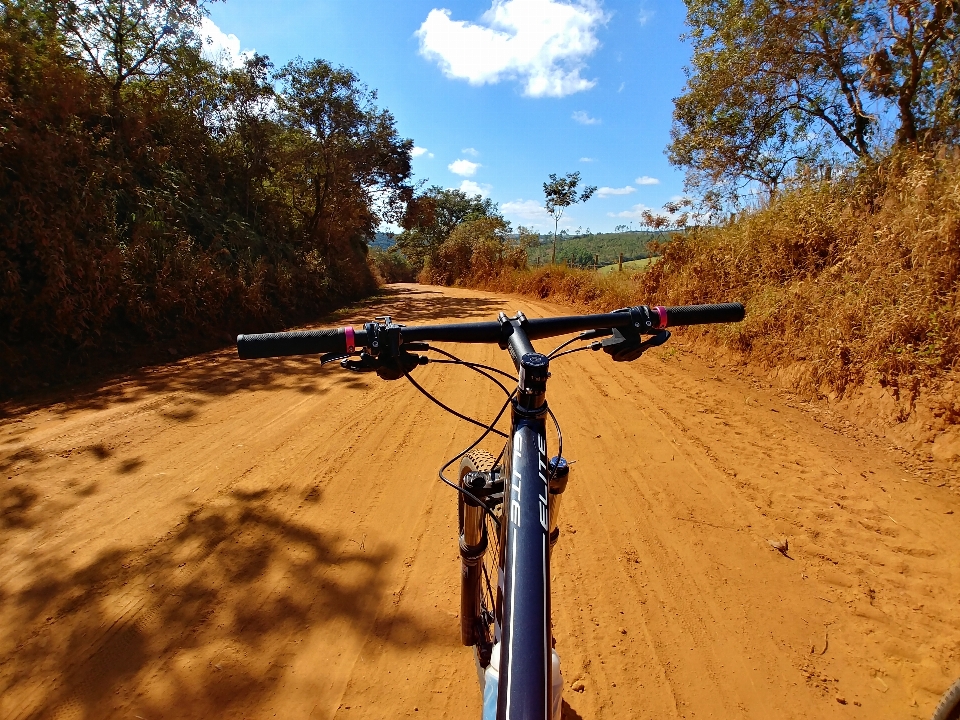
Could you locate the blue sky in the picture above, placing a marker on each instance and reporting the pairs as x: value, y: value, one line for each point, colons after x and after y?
x: 498, y: 94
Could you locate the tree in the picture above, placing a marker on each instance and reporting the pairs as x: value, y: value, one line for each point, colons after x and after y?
x: 778, y: 84
x: 433, y: 215
x: 121, y: 40
x: 250, y: 129
x: 344, y: 167
x: 148, y: 193
x: 560, y: 194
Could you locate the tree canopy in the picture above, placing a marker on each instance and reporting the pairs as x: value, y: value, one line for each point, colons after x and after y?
x: 775, y: 84
x: 560, y: 193
x: 433, y: 214
x: 149, y: 193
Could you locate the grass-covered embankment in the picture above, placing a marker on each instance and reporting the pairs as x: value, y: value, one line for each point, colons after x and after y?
x: 846, y: 283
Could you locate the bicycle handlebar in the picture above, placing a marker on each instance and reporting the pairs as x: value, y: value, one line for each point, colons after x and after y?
x: 300, y: 342
x: 345, y: 340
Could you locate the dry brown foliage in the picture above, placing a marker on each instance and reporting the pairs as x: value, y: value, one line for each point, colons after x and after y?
x: 476, y: 251
x: 130, y: 228
x: 844, y: 282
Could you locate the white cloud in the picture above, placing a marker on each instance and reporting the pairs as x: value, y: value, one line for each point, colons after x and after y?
x: 645, y: 16
x: 622, y: 86
x: 472, y: 188
x: 532, y: 214
x: 608, y: 191
x: 634, y: 213
x: 418, y: 151
x: 464, y: 168
x: 587, y: 160
x: 530, y: 211
x: 471, y: 152
x: 646, y: 180
x: 221, y: 47
x: 583, y: 118
x: 541, y: 43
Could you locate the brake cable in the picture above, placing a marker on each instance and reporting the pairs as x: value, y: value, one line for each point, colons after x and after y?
x: 491, y: 427
x: 451, y: 461
x: 454, y: 412
x: 561, y: 346
x: 477, y: 367
x: 470, y: 363
x: 568, y: 352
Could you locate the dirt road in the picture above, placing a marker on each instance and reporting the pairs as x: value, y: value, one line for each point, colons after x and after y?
x: 217, y: 538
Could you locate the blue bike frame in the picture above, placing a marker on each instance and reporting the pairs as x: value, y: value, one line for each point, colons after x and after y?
x: 528, y: 515
x: 526, y: 638
x: 525, y: 634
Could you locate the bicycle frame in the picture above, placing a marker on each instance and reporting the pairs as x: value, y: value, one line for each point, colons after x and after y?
x: 525, y: 634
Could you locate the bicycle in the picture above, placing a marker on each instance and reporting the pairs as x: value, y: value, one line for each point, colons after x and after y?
x: 509, y: 505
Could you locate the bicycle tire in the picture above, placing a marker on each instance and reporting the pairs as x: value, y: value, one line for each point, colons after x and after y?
x: 483, y: 461
x: 949, y: 706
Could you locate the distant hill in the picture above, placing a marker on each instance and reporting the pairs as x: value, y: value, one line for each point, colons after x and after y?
x: 383, y: 241
x: 576, y: 250
x: 580, y: 250
x: 631, y: 266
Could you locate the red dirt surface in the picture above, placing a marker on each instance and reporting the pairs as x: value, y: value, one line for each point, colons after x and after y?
x: 217, y: 538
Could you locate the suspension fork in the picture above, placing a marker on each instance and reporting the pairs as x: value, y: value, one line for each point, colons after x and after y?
x: 473, y: 545
x: 559, y: 475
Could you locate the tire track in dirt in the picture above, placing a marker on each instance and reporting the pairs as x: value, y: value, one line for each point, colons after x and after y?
x: 214, y: 538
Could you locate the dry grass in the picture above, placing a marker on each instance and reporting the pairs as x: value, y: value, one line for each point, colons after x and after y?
x: 844, y: 282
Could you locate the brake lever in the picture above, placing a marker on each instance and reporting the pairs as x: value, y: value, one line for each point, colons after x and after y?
x: 624, y: 348
x: 332, y: 357
x: 366, y: 363
x: 386, y: 368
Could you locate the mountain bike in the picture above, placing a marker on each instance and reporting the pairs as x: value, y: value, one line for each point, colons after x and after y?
x: 509, y: 504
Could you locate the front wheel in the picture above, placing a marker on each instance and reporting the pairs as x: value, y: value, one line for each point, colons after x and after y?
x: 949, y: 707
x: 480, y: 551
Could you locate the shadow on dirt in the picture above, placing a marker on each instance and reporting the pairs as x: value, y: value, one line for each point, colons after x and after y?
x: 15, y: 505
x: 220, y: 373
x: 204, y: 619
x: 424, y: 304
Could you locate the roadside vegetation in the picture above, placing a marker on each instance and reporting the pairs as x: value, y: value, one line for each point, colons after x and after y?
x: 582, y: 249
x: 819, y: 140
x: 151, y: 198
x: 845, y: 281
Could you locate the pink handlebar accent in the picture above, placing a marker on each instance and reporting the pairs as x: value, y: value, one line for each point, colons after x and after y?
x: 351, y: 343
x: 662, y: 315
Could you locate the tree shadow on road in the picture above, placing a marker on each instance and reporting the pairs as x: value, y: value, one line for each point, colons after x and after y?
x: 202, y: 621
x: 220, y: 372
x: 425, y: 304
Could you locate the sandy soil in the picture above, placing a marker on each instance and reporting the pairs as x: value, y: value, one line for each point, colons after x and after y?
x: 217, y: 538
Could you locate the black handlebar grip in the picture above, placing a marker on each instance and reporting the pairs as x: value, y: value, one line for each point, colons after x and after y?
x: 703, y: 314
x: 300, y: 342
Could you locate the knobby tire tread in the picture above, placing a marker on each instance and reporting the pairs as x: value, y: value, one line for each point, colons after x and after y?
x: 949, y: 706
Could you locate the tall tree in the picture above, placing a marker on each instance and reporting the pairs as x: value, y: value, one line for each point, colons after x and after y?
x: 122, y: 40
x: 433, y: 215
x: 223, y: 200
x: 774, y: 84
x: 561, y: 193
x: 345, y: 167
